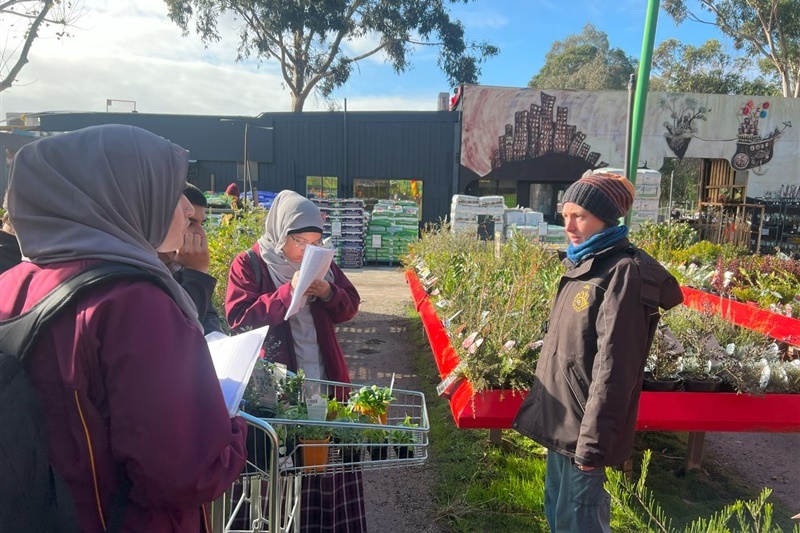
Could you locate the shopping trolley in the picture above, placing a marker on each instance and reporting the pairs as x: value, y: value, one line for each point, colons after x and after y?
x: 282, y: 451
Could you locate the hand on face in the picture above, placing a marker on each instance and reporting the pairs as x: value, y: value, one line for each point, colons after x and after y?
x: 194, y: 252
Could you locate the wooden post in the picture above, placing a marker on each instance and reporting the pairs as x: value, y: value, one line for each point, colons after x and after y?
x: 694, y: 450
x: 496, y: 437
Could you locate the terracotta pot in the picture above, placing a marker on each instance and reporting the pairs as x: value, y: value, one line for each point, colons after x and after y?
x: 315, y: 454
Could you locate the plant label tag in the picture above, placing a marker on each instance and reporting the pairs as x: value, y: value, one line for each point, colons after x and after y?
x: 317, y: 407
x: 448, y: 386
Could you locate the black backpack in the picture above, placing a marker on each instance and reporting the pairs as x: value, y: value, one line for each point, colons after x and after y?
x: 33, y: 497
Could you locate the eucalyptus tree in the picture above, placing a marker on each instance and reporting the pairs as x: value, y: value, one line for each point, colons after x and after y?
x: 584, y: 61
x: 308, y: 37
x: 764, y: 29
x: 21, y: 22
x: 707, y: 68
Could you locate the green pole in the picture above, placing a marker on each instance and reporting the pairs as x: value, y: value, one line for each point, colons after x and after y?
x: 642, y: 85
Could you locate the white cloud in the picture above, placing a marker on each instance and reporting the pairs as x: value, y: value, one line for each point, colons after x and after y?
x: 362, y: 45
x: 482, y: 18
x: 130, y: 50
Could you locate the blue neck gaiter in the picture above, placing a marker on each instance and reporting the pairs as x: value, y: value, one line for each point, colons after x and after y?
x: 604, y: 239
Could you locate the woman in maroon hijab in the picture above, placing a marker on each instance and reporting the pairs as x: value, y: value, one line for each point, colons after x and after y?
x: 123, y: 374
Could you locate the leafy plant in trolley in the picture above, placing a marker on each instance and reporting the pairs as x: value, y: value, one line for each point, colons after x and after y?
x: 372, y: 401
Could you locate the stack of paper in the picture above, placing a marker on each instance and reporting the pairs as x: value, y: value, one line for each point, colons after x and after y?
x: 234, y: 359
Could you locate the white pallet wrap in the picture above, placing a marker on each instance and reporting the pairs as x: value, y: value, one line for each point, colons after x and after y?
x: 514, y: 216
x: 644, y: 176
x: 532, y: 218
x: 492, y: 200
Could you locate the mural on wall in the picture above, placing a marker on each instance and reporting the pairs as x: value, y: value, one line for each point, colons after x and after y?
x: 535, y: 134
x: 554, y: 135
x: 683, y: 112
x: 752, y: 149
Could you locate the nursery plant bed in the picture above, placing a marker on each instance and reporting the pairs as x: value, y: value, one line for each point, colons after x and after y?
x: 779, y: 327
x: 658, y: 411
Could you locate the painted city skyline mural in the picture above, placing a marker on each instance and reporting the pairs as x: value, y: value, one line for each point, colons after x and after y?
x: 518, y: 132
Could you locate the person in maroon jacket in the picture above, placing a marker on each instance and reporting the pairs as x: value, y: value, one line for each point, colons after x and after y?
x: 124, y: 374
x: 306, y: 340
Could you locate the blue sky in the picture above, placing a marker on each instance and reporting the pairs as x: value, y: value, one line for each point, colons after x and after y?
x: 129, y: 50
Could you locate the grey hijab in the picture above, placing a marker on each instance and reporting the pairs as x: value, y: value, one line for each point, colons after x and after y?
x: 104, y: 192
x: 291, y: 211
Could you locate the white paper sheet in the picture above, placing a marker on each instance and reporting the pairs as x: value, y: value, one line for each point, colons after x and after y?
x: 234, y: 359
x: 316, y: 262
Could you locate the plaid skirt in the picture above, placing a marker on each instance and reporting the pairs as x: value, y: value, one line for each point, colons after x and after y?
x: 333, y: 503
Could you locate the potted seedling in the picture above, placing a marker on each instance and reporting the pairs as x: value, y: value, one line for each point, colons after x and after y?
x: 292, y: 388
x: 403, y: 439
x: 702, y: 354
x: 663, y: 362
x: 260, y: 398
x: 372, y: 401
x: 378, y: 444
x: 315, y: 443
x: 348, y: 439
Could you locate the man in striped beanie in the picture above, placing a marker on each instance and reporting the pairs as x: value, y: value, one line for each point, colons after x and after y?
x: 583, y: 402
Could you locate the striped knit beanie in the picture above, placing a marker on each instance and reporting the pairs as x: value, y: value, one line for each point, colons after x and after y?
x: 605, y: 195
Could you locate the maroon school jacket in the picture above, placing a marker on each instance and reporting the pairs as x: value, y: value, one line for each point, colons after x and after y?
x: 249, y: 305
x: 126, y: 381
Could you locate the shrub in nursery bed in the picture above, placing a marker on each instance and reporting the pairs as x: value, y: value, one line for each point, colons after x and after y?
x: 765, y: 279
x: 495, y: 303
x: 226, y: 241
x: 705, y: 253
x: 662, y: 240
x: 747, y: 360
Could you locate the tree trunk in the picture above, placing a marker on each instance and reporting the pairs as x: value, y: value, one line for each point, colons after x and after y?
x: 298, y: 102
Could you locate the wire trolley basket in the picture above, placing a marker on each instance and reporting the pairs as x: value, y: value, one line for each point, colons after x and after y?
x: 281, y: 452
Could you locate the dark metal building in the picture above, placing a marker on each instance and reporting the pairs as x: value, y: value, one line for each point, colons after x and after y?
x: 286, y: 150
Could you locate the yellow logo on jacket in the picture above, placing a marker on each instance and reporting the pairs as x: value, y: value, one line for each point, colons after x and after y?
x: 581, y: 300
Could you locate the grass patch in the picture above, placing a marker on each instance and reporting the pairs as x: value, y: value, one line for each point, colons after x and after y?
x: 685, y: 496
x: 480, y: 487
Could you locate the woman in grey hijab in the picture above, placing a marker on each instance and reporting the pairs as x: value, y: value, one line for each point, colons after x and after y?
x: 307, y: 340
x: 260, y: 288
x: 124, y: 376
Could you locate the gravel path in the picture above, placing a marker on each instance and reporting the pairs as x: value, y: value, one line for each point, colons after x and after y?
x: 375, y: 346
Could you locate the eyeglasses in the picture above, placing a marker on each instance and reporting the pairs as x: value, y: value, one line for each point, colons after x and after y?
x: 302, y: 244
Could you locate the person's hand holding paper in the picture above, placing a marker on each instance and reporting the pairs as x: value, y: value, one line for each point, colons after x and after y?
x: 308, y: 281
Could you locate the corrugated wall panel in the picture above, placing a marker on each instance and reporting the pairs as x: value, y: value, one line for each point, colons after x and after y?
x: 379, y: 145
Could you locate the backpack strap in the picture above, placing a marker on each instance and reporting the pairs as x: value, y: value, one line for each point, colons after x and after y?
x: 19, y: 332
x: 255, y: 262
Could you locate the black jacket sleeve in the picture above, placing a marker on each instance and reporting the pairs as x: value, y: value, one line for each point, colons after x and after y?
x: 200, y: 287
